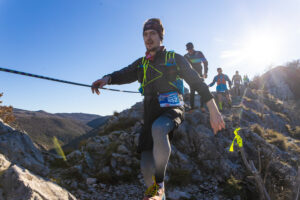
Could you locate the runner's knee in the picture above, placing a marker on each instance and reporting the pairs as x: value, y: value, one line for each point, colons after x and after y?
x: 161, y: 127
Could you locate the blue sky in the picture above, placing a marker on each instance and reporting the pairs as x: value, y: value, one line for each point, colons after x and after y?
x: 82, y: 40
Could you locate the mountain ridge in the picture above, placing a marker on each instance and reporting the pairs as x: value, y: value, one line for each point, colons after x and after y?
x: 42, y: 126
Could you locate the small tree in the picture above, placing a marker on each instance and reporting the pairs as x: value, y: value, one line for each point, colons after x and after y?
x: 6, y: 112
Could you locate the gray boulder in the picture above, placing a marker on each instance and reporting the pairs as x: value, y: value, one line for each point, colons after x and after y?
x: 19, y: 183
x: 19, y: 149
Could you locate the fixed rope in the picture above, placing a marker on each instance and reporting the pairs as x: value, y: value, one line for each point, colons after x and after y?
x: 58, y: 80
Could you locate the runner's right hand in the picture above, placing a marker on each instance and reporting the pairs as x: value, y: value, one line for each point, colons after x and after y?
x: 216, y: 120
x: 99, y: 84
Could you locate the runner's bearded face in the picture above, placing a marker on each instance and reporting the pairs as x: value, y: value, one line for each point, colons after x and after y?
x: 151, y: 39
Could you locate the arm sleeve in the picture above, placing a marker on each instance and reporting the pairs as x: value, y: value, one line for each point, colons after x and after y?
x: 214, y: 81
x: 186, y: 57
x: 192, y: 78
x: 205, y: 63
x: 227, y: 79
x: 125, y: 75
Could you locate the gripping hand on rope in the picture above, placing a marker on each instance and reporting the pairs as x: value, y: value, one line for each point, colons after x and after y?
x: 99, y: 84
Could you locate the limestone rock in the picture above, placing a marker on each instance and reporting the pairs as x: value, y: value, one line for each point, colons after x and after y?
x: 4, y: 163
x: 4, y: 128
x: 19, y: 148
x: 19, y: 183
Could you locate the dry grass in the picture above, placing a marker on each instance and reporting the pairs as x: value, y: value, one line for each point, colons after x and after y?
x: 281, y: 141
x: 276, y: 138
x: 283, y: 116
x: 256, y: 128
x: 233, y: 187
x: 294, y: 132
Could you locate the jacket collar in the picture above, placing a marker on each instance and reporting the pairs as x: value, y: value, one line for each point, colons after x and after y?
x: 159, y: 51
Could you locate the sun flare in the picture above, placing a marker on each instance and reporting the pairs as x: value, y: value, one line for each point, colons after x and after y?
x: 256, y: 48
x: 262, y: 48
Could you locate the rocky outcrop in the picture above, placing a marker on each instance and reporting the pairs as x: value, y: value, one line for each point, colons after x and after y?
x: 19, y: 149
x: 19, y: 183
x: 18, y: 155
x: 282, y: 82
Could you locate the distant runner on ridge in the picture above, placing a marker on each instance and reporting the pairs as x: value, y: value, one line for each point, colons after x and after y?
x: 237, y: 81
x: 246, y: 80
x: 222, y: 89
x: 196, y: 59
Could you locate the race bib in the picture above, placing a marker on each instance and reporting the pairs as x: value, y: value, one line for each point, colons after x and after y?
x: 170, y: 99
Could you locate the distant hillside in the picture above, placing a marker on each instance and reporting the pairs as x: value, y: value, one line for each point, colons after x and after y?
x: 42, y: 126
x: 98, y: 122
x: 83, y: 117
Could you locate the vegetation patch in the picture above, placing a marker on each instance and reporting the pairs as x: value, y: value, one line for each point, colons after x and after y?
x: 111, y: 178
x: 179, y: 176
x: 56, y: 180
x: 111, y: 148
x: 256, y: 128
x: 281, y: 141
x: 121, y: 124
x: 116, y: 114
x: 233, y: 187
x: 59, y: 163
x: 283, y: 116
x: 83, y: 143
x: 294, y: 132
x: 6, y: 113
x: 276, y: 138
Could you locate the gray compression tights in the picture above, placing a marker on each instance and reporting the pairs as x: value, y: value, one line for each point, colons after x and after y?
x: 154, y: 162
